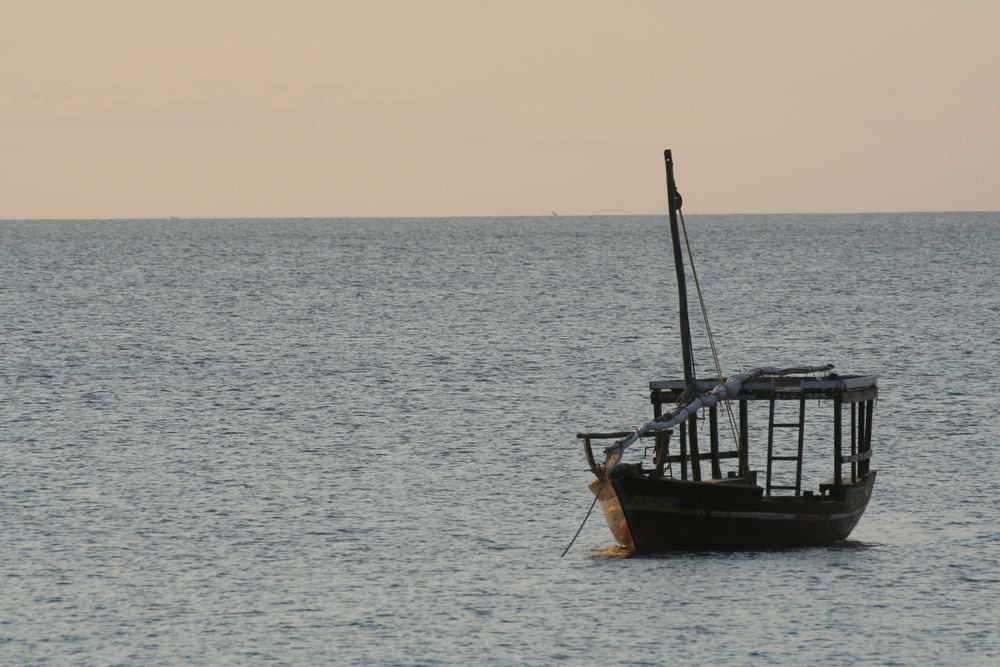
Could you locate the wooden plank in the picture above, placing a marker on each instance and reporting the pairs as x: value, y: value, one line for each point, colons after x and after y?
x: 614, y: 435
x: 678, y: 458
x: 860, y: 456
x: 783, y: 381
x: 760, y: 392
x: 832, y: 482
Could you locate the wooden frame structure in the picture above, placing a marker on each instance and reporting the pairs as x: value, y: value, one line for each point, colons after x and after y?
x: 858, y: 391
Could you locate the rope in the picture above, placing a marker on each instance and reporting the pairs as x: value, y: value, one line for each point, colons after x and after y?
x: 596, y: 496
x: 708, y: 329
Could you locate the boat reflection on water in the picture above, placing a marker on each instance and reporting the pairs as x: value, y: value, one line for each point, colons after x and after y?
x: 617, y: 551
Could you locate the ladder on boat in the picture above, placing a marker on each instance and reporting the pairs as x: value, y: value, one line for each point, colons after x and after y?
x: 800, y: 425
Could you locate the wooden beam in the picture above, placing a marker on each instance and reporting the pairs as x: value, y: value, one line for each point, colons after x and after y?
x: 744, y: 440
x: 684, y: 451
x: 695, y: 454
x: 837, y: 441
x: 662, y: 451
x: 614, y: 435
x: 869, y: 410
x: 759, y: 392
x: 677, y: 458
x: 854, y: 458
x: 713, y: 435
x: 854, y: 437
x: 590, y: 455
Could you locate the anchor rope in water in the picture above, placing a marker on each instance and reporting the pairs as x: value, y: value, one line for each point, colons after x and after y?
x: 592, y: 505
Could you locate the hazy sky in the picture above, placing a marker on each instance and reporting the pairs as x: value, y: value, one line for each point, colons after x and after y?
x: 217, y: 108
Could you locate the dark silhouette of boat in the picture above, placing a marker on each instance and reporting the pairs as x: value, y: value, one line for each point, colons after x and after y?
x: 675, y: 504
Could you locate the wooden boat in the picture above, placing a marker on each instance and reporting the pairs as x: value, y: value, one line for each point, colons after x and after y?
x: 675, y: 504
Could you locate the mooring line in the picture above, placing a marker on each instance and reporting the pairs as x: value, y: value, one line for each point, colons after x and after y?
x: 596, y: 496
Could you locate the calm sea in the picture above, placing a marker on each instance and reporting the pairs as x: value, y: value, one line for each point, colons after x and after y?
x: 352, y: 441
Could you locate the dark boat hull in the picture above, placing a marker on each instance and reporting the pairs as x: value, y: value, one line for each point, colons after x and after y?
x: 668, y: 514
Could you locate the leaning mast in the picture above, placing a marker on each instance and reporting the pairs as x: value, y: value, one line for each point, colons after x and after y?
x: 674, y: 203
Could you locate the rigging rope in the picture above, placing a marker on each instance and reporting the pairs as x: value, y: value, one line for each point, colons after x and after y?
x: 708, y: 329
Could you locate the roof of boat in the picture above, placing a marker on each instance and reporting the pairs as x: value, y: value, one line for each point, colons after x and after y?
x: 784, y: 387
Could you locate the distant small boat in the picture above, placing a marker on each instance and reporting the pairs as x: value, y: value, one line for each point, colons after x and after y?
x: 676, y: 505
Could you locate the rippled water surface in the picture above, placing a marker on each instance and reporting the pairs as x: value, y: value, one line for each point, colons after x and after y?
x: 352, y: 441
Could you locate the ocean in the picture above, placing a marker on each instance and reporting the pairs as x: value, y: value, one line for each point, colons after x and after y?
x: 352, y: 441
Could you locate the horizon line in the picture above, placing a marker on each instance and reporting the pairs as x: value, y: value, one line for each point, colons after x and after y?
x: 469, y: 217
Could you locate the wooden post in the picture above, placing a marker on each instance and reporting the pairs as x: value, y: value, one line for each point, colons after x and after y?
x: 837, y: 437
x: 854, y: 438
x: 713, y: 434
x: 683, y: 448
x: 770, y: 439
x: 661, y: 438
x: 802, y: 441
x: 744, y: 441
x: 870, y: 409
x: 661, y: 453
x: 693, y: 445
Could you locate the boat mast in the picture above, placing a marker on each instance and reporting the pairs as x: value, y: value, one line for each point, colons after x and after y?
x: 674, y: 203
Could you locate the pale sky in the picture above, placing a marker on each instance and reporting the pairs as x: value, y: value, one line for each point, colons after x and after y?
x: 327, y: 108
